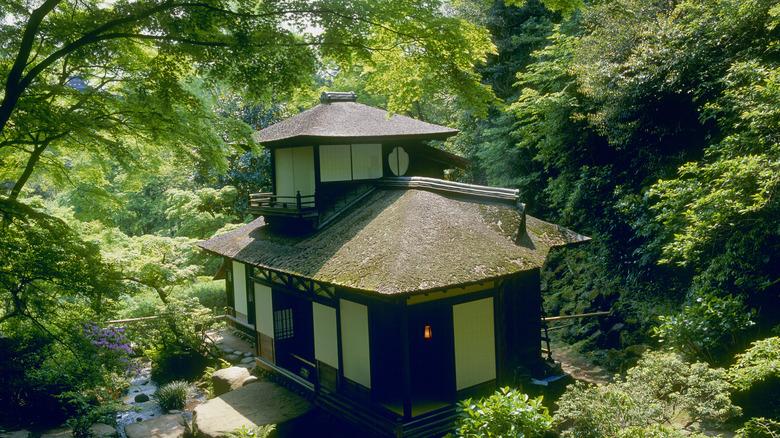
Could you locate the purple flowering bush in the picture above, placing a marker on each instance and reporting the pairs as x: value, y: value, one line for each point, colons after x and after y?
x: 112, y: 347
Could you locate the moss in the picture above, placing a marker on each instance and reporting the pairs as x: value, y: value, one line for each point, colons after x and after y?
x: 399, y: 241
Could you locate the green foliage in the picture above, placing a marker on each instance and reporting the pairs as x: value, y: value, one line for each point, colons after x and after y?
x: 173, y: 395
x: 44, y: 263
x: 87, y: 413
x: 117, y: 84
x: 707, y: 329
x: 756, y: 375
x: 177, y: 342
x: 756, y: 365
x: 760, y: 428
x: 200, y: 213
x: 48, y: 377
x: 253, y: 432
x: 210, y: 294
x: 651, y: 126
x: 657, y: 394
x: 206, y: 383
x: 51, y: 281
x: 507, y: 413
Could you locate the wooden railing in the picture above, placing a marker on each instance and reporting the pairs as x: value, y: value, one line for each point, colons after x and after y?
x: 269, y: 200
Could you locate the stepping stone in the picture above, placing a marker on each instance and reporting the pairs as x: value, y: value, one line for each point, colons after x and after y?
x: 166, y: 426
x: 253, y: 405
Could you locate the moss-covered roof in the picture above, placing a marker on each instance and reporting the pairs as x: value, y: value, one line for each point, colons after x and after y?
x: 349, y: 121
x: 403, y: 241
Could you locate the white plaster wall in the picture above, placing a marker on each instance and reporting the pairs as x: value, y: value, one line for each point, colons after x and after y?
x: 354, y: 342
x: 285, y: 183
x: 326, y: 347
x: 239, y: 290
x: 475, y: 344
x: 294, y: 171
x: 264, y: 310
x: 303, y: 159
x: 366, y: 161
x: 335, y: 162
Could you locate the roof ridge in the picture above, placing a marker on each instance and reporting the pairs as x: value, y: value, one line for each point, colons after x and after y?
x: 420, y: 182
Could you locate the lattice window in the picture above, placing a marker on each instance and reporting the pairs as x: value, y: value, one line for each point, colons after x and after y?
x: 283, y: 324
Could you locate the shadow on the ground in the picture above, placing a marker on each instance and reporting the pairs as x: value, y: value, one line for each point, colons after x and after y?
x: 316, y: 423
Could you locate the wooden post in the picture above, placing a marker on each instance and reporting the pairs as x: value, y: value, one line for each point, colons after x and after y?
x: 406, y: 374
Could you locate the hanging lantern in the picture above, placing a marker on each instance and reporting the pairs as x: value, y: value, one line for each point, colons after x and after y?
x: 427, y: 334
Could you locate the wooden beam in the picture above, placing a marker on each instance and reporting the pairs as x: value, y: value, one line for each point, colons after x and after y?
x: 581, y: 315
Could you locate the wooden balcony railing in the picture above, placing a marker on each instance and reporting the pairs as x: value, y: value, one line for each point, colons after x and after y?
x: 269, y: 203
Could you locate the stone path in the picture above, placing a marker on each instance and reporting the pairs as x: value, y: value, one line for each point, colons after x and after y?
x: 254, y: 405
x: 579, y: 367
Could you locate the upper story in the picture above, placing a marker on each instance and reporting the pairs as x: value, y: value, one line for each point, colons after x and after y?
x: 329, y: 157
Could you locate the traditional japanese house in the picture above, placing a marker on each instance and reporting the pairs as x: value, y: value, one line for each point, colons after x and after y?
x: 366, y: 278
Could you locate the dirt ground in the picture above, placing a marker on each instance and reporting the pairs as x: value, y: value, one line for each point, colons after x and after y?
x: 578, y: 366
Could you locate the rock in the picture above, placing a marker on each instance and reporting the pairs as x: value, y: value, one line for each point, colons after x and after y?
x: 225, y: 349
x: 248, y: 360
x: 636, y: 350
x: 251, y: 366
x: 16, y: 434
x: 100, y: 430
x: 251, y: 406
x: 232, y: 358
x: 64, y: 432
x: 141, y: 398
x: 249, y: 354
x: 228, y: 379
x: 166, y: 426
x: 249, y: 380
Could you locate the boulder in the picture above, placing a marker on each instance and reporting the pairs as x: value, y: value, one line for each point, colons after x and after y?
x: 248, y: 359
x: 16, y: 434
x: 141, y: 398
x: 64, y: 432
x: 166, y: 426
x: 249, y: 380
x: 100, y: 430
x: 225, y: 349
x: 228, y: 379
x: 232, y: 358
x: 251, y: 406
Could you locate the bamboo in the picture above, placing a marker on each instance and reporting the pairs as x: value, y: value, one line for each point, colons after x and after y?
x: 582, y: 315
x: 144, y: 318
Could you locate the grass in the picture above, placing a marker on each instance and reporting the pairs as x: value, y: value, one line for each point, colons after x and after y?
x: 173, y: 396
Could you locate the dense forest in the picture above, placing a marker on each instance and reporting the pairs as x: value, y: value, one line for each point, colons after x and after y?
x: 651, y: 126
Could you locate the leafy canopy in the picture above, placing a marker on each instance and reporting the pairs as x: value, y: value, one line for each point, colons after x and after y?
x: 109, y: 80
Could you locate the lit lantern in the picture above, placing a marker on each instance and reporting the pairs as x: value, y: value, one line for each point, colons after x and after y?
x: 427, y: 334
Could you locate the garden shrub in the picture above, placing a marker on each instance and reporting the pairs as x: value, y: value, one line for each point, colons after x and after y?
x: 253, y: 432
x: 44, y: 381
x: 173, y: 395
x: 506, y: 413
x: 760, y: 427
x: 210, y: 294
x: 756, y: 375
x: 177, y: 341
x: 662, y: 390
x: 707, y: 329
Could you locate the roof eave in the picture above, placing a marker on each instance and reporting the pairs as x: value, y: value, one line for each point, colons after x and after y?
x: 305, y: 140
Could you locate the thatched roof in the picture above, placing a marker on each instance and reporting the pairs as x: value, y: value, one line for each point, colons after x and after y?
x: 402, y: 242
x: 348, y: 121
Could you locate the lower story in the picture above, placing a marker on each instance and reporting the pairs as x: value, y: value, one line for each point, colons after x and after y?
x: 393, y: 365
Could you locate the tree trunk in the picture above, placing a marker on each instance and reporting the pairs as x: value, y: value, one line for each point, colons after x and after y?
x: 28, y: 170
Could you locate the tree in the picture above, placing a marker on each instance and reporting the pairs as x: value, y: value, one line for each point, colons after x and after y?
x: 45, y: 261
x: 662, y: 392
x: 108, y: 79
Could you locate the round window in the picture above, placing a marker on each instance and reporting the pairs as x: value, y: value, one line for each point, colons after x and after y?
x: 398, y: 161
